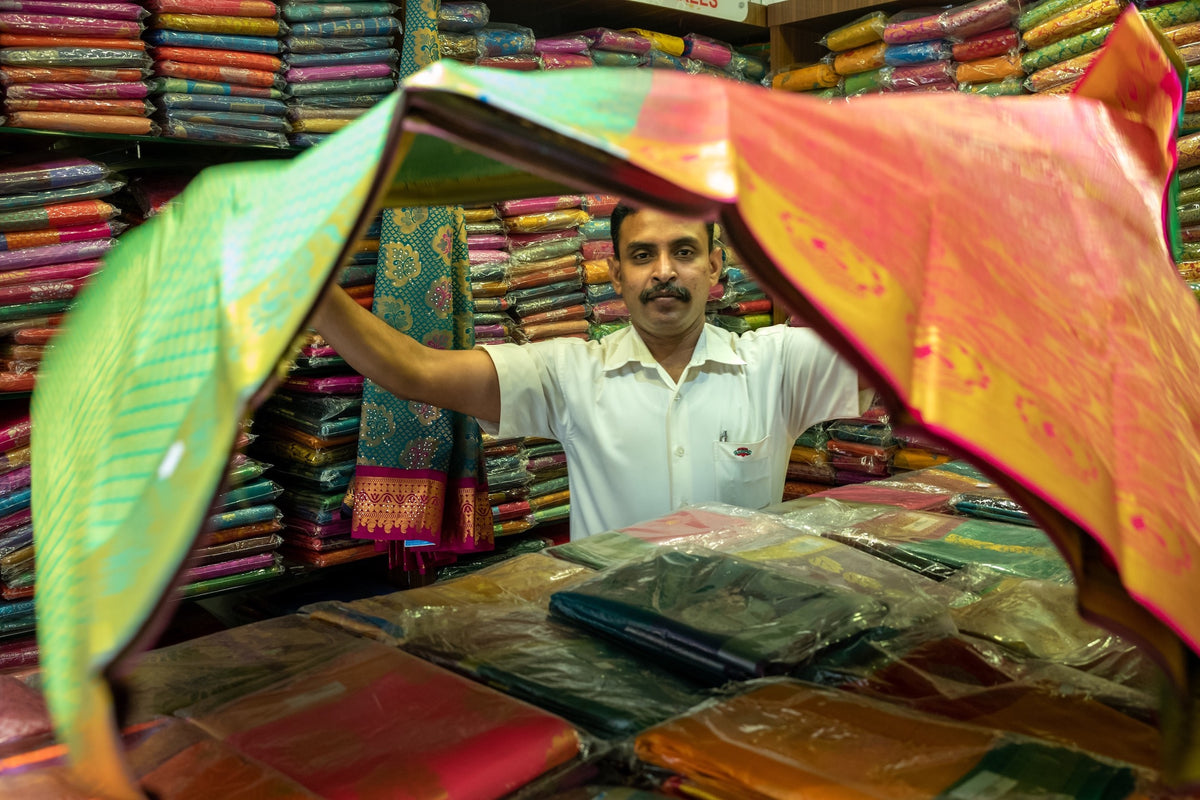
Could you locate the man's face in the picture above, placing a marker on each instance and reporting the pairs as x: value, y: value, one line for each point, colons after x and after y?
x: 664, y: 271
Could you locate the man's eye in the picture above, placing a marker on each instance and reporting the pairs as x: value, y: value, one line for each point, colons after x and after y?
x: 685, y: 252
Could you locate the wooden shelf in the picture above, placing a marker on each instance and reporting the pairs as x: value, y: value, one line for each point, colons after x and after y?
x: 834, y: 12
x: 573, y: 15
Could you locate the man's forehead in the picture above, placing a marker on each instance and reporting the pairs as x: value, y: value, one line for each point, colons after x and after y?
x: 649, y: 226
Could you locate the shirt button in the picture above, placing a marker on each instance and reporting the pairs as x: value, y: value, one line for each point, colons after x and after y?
x: 679, y: 452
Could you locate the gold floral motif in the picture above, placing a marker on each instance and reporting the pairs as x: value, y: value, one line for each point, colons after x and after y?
x: 397, y: 311
x: 379, y: 424
x: 410, y: 218
x: 443, y: 243
x: 401, y: 263
x: 425, y: 413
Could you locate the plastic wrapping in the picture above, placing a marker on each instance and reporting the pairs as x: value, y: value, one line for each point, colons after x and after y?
x: 309, y: 12
x: 987, y: 45
x: 877, y: 80
x: 562, y: 44
x: 1038, y: 13
x: 233, y: 8
x: 805, y: 79
x: 54, y: 25
x: 860, y: 59
x: 206, y: 23
x: 908, y: 27
x: 462, y: 16
x: 595, y: 250
x: 211, y: 41
x: 916, y: 53
x: 936, y: 72
x: 863, y: 31
x: 1063, y: 72
x: 86, y: 57
x: 1077, y: 20
x: 612, y: 58
x: 617, y: 41
x: 504, y: 40
x: 29, y: 257
x: 50, y: 175
x: 548, y: 221
x: 311, y: 74
x: 566, y: 61
x: 783, y: 736
x: 715, y: 616
x: 979, y: 17
x: 385, y: 55
x: 935, y: 545
x: 1174, y: 14
x: 263, y: 122
x: 556, y: 250
x: 188, y: 86
x: 538, y: 205
x: 989, y: 69
x: 222, y: 133
x: 709, y: 51
x: 1179, y: 35
x: 218, y: 74
x: 23, y: 75
x: 176, y: 101
x: 318, y: 45
x: 360, y: 27
x: 1067, y: 48
x: 378, y: 86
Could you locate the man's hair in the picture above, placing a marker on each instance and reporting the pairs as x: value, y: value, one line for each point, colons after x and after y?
x: 622, y: 211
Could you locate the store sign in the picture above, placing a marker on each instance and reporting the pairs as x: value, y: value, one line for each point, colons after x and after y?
x: 735, y: 10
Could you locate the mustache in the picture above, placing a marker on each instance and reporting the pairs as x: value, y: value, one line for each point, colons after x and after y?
x: 665, y: 290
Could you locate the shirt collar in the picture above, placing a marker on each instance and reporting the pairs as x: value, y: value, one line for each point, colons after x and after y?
x: 714, y: 345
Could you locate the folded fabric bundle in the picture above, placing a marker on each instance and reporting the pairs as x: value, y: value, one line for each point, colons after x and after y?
x: 715, y: 616
x: 784, y: 738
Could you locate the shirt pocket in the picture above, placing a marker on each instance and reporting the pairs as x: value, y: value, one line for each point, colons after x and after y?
x: 743, y: 473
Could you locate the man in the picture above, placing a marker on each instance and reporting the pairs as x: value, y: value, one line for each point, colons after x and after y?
x: 667, y: 412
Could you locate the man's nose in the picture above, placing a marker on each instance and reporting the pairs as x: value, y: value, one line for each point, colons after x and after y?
x: 664, y: 268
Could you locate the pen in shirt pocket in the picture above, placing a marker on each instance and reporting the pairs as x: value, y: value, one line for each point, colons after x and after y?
x: 724, y: 436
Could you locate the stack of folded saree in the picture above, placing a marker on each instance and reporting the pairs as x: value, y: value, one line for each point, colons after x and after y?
x: 56, y: 223
x: 16, y: 528
x: 219, y: 75
x: 543, y: 278
x: 506, y: 465
x: 487, y: 249
x: 69, y: 65
x: 241, y: 548
x: 341, y: 60
x: 742, y: 305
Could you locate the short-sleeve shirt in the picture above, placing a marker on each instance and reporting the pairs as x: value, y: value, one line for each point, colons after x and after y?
x: 639, y: 445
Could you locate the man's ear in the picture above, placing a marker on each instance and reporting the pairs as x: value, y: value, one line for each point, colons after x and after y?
x: 716, y: 265
x: 614, y: 274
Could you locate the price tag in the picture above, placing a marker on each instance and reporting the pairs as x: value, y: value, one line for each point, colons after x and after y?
x: 733, y: 10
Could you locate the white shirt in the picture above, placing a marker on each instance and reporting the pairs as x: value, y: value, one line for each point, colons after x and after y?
x: 639, y: 445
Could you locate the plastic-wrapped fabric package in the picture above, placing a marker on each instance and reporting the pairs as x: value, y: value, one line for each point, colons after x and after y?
x: 717, y: 617
x: 806, y: 78
x: 1077, y: 45
x: 908, y: 27
x: 861, y: 59
x: 987, y: 45
x: 784, y: 737
x: 200, y: 675
x: 863, y: 31
x: 478, y: 743
x: 596, y: 685
x: 968, y: 679
x: 1075, y: 21
x: 171, y: 760
x: 936, y: 545
x: 980, y: 17
x: 431, y: 611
